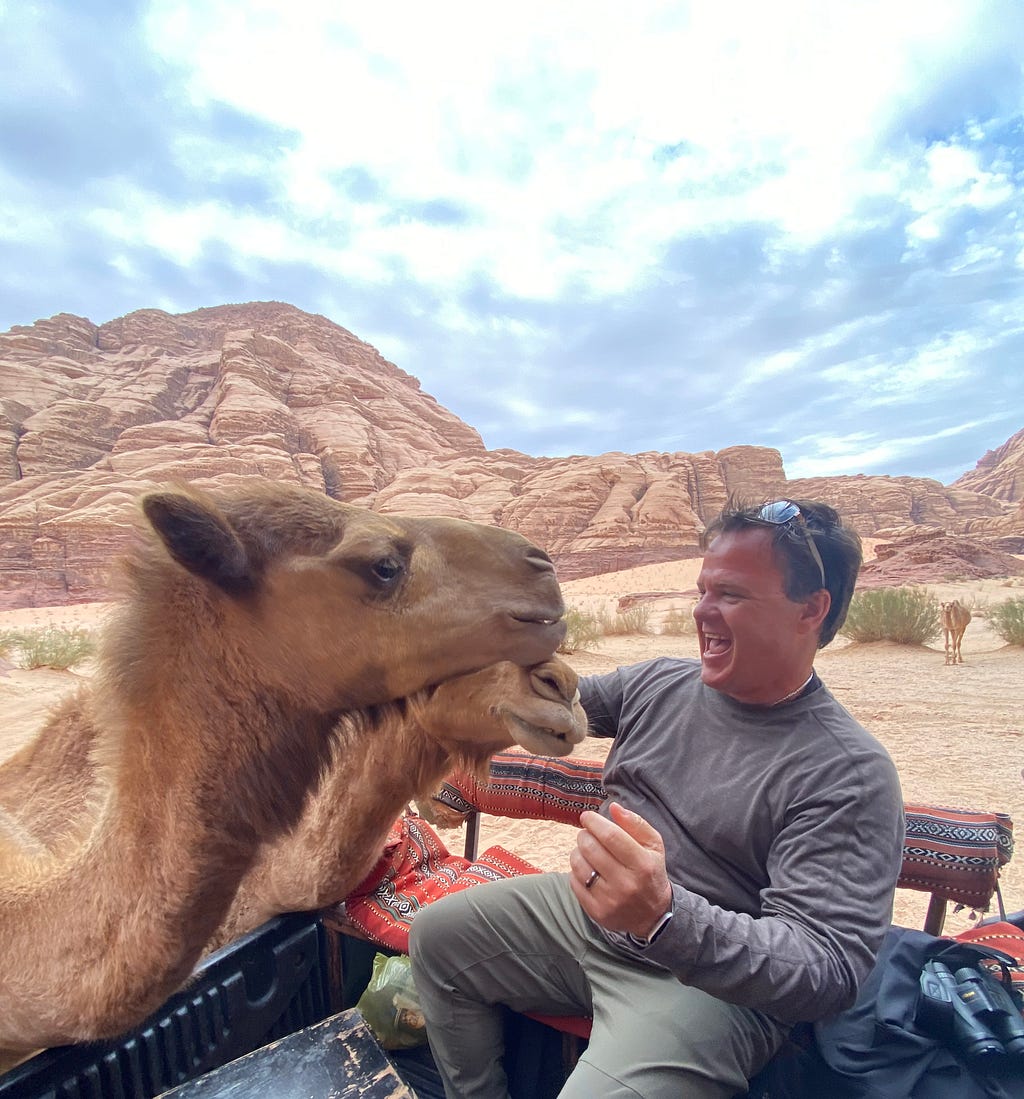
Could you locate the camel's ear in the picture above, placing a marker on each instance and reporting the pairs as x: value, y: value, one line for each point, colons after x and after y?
x: 200, y: 540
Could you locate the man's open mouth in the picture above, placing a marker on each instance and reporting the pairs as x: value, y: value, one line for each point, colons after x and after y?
x: 715, y: 645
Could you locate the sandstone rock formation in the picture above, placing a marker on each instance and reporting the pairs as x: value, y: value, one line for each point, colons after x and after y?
x: 92, y: 415
x: 875, y: 504
x: 930, y: 556
x: 592, y: 514
x: 1000, y: 473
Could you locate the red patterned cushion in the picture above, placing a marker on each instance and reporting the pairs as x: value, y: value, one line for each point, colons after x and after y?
x: 955, y: 853
x: 1004, y: 936
x: 415, y: 869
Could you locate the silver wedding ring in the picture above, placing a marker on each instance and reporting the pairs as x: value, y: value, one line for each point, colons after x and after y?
x: 594, y: 875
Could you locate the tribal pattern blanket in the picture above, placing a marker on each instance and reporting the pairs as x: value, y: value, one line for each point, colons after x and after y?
x: 415, y: 869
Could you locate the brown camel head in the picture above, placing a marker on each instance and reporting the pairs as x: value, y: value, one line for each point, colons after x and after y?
x: 331, y: 605
x: 484, y: 712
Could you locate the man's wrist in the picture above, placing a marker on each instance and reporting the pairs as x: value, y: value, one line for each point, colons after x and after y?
x: 662, y: 922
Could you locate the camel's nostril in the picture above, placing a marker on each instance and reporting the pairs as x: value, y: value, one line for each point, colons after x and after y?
x: 548, y: 686
x: 539, y: 559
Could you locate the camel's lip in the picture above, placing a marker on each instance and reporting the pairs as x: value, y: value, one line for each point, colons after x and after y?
x: 552, y: 627
x: 548, y: 616
x: 547, y: 740
x: 528, y: 726
x: 533, y: 638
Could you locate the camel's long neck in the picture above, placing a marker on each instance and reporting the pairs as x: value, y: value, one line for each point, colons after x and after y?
x: 377, y: 767
x: 380, y: 773
x: 200, y: 718
x: 112, y: 927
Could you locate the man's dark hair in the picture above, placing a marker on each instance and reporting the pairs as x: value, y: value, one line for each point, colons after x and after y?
x: 838, y: 547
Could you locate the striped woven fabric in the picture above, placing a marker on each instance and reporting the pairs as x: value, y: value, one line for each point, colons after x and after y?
x: 955, y: 853
x: 415, y: 869
x: 531, y: 787
x: 1003, y: 936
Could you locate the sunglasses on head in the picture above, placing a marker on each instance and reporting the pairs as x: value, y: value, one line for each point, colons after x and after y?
x: 781, y: 512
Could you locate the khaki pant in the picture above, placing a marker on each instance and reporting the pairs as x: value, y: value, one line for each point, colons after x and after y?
x: 526, y: 943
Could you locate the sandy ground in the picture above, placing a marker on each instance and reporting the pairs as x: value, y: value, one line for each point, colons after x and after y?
x: 955, y: 733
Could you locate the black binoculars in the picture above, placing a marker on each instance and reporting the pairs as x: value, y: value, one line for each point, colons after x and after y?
x: 971, y: 1010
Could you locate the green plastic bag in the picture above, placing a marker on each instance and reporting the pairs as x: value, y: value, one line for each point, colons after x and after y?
x: 390, y: 1005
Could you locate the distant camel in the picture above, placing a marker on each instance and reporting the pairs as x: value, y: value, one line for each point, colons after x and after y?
x: 253, y: 619
x: 955, y: 618
x: 383, y: 760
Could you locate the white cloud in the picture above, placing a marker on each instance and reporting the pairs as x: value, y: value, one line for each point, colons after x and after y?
x: 835, y: 455
x: 830, y: 455
x: 882, y: 380
x: 954, y: 179
x: 543, y: 114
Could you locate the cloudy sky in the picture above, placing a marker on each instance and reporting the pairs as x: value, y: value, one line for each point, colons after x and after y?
x: 583, y: 226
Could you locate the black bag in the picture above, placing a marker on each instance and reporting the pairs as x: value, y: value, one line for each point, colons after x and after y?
x: 878, y: 1050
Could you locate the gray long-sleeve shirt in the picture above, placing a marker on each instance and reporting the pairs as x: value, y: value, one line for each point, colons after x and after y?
x: 783, y: 829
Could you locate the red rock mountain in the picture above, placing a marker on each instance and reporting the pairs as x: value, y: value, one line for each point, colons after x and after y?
x: 1000, y: 473
x: 91, y: 415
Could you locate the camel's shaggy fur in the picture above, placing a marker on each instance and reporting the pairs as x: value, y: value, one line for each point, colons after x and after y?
x: 955, y: 619
x: 382, y: 760
x: 252, y: 620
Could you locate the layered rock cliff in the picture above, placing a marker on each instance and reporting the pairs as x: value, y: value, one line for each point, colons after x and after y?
x: 92, y: 415
x: 1000, y: 473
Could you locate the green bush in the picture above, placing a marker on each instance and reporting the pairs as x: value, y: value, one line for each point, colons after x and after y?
x: 582, y: 629
x: 630, y: 621
x: 677, y: 622
x: 908, y: 616
x: 1007, y: 619
x: 49, y: 647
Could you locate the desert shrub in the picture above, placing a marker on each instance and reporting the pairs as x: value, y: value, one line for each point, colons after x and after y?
x: 49, y: 647
x: 632, y: 620
x: 908, y: 616
x: 582, y: 629
x: 678, y: 622
x: 1007, y: 619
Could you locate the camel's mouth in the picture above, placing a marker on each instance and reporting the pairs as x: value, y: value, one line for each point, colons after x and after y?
x: 534, y: 619
x: 543, y: 740
x: 550, y: 627
x: 534, y: 635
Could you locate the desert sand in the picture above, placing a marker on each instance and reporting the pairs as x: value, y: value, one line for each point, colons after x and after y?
x: 956, y: 733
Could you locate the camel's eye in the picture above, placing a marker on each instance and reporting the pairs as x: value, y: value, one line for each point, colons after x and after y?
x: 387, y: 570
